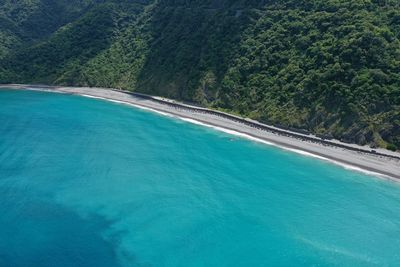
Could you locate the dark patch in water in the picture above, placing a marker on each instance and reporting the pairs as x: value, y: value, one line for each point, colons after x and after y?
x: 40, y: 233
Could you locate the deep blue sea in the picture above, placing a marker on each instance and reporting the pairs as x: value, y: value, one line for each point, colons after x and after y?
x: 85, y: 182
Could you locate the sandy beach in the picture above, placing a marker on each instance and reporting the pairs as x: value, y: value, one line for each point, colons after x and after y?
x: 377, y: 162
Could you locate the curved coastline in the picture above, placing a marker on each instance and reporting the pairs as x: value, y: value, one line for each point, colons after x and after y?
x: 377, y: 163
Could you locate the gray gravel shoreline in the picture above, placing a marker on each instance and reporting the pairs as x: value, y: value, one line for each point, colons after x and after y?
x: 381, y: 163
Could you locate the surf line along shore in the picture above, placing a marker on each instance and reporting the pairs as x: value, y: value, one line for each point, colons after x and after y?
x: 378, y: 162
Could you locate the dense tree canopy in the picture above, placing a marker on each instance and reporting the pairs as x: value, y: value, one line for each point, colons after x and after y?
x: 329, y: 66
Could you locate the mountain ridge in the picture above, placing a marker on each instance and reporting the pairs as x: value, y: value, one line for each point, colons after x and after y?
x: 331, y: 67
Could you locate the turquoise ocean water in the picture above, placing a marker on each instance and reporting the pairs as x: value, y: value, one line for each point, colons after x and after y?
x: 85, y: 182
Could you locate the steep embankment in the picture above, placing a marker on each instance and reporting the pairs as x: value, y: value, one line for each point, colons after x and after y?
x: 332, y: 67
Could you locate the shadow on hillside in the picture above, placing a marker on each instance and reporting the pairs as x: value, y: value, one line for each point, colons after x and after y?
x: 189, y: 41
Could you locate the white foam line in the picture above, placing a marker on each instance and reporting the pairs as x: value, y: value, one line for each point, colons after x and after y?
x: 246, y: 136
x: 232, y: 132
x: 298, y: 151
x: 129, y: 104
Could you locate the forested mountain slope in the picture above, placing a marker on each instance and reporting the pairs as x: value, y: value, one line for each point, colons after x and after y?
x: 329, y: 66
x: 23, y: 22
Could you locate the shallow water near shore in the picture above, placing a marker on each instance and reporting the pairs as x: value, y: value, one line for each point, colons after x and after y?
x: 85, y: 182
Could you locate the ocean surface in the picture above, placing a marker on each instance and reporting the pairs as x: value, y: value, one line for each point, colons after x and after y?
x: 85, y: 182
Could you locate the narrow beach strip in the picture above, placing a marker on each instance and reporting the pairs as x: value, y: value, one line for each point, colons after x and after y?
x: 378, y: 162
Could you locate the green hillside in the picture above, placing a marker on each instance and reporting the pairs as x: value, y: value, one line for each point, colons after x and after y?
x: 329, y: 66
x: 23, y: 22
